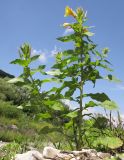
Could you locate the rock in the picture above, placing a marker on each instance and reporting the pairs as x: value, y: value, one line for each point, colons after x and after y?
x: 89, y: 151
x: 103, y: 155
x: 30, y: 155
x: 50, y: 152
x: 85, y: 154
x: 72, y: 159
x: 13, y: 127
x: 77, y: 153
x: 62, y: 156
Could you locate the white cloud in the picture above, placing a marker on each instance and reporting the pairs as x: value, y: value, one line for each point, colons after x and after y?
x: 68, y: 31
x: 120, y: 87
x: 55, y: 51
x: 35, y: 52
x: 67, y: 102
x: 42, y: 57
x: 42, y: 54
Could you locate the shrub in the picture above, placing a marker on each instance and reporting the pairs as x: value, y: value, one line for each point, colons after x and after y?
x: 9, y: 110
x: 11, y: 92
x: 10, y: 135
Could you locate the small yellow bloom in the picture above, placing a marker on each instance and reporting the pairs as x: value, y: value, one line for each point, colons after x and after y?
x: 69, y: 12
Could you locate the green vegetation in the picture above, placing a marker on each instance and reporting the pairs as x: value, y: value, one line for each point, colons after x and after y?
x: 40, y: 116
x: 9, y: 151
x: 78, y: 66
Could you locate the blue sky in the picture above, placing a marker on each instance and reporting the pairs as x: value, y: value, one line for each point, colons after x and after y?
x: 38, y: 22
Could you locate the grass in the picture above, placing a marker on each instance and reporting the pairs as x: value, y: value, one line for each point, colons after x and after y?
x: 9, y: 110
x: 9, y: 151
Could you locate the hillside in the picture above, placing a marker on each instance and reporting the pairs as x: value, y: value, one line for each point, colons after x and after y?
x: 4, y: 74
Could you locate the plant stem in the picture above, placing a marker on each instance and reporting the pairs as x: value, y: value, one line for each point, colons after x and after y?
x: 75, y: 134
x: 81, y: 107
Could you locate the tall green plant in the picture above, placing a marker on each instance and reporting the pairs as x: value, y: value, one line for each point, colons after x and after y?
x: 75, y: 67
x: 37, y: 102
x: 34, y: 103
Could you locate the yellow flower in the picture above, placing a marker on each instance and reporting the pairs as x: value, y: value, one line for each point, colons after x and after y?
x: 69, y: 12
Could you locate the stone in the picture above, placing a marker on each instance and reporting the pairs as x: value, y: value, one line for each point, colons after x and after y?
x: 103, y: 155
x: 50, y: 152
x: 73, y: 159
x: 63, y: 156
x: 77, y: 153
x: 89, y: 151
x: 30, y: 155
x: 71, y: 155
x: 13, y: 127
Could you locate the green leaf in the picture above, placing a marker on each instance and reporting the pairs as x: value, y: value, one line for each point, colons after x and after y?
x: 49, y: 102
x: 67, y: 38
x: 110, y: 142
x: 88, y: 34
x: 16, y: 80
x: 105, y: 66
x: 51, y: 80
x: 28, y: 86
x: 54, y: 72
x: 70, y: 92
x: 87, y: 114
x: 98, y: 96
x: 69, y: 124
x: 107, y: 61
x: 57, y: 106
x: 68, y: 52
x: 97, y: 53
x: 39, y: 69
x: 73, y: 114
x: 21, y: 62
x: 90, y: 104
x: 105, y: 51
x: 112, y: 78
x: 48, y: 129
x: 110, y: 105
x: 46, y: 80
x: 43, y: 116
x: 34, y: 58
x: 25, y: 51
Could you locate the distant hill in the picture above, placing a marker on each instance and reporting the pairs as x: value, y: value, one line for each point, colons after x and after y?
x: 4, y: 74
